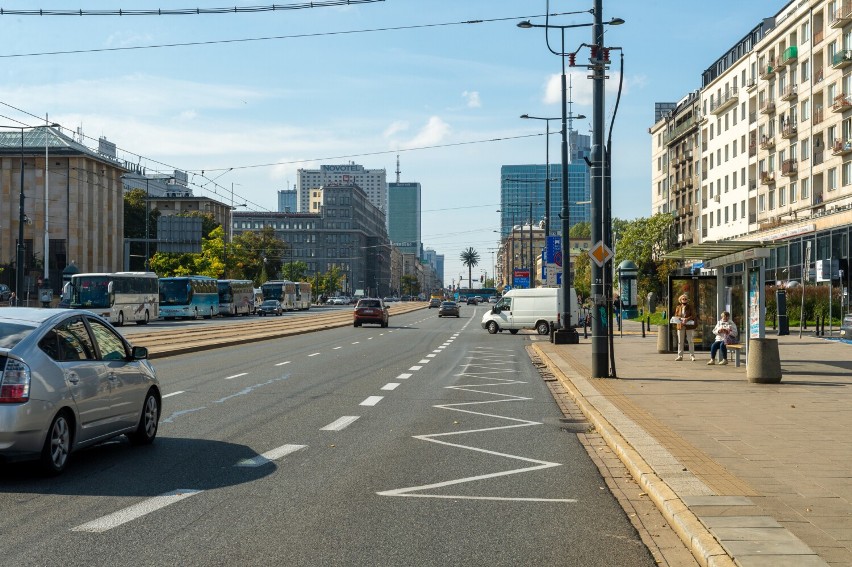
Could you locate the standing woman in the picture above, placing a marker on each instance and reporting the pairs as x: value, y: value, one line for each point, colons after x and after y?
x: 684, y: 316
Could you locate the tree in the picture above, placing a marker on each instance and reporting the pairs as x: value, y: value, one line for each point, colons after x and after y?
x: 409, y: 284
x: 582, y: 275
x: 295, y: 271
x: 207, y: 263
x: 581, y: 230
x: 256, y: 255
x: 469, y: 258
x: 644, y: 241
x: 208, y: 221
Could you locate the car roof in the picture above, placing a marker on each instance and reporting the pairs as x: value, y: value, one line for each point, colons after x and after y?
x: 34, y: 315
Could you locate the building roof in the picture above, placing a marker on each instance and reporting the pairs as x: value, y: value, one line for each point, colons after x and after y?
x: 35, y: 140
x: 711, y: 250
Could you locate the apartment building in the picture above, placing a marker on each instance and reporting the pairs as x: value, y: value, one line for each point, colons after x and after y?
x: 775, y: 138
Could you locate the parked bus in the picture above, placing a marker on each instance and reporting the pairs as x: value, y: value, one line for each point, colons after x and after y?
x: 236, y: 297
x: 188, y: 297
x: 303, y: 295
x: 282, y: 290
x: 117, y: 297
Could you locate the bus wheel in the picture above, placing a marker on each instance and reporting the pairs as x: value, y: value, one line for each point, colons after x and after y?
x: 120, y: 320
x: 210, y: 316
x: 145, y: 320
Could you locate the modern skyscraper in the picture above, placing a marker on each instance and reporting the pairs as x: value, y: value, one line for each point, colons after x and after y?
x: 404, y: 228
x: 287, y: 201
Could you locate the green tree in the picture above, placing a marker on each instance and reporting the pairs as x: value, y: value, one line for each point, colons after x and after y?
x: 581, y: 230
x: 330, y: 282
x: 409, y: 284
x: 295, y: 271
x: 208, y: 221
x: 582, y: 275
x: 207, y: 263
x: 469, y: 258
x: 256, y: 255
x: 644, y: 241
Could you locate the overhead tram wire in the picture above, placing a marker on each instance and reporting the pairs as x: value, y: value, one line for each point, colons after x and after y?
x: 184, y: 11
x: 269, y: 38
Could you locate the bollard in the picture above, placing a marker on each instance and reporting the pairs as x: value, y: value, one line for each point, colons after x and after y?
x: 662, y: 339
x: 648, y: 323
x: 763, y: 361
x: 643, y: 328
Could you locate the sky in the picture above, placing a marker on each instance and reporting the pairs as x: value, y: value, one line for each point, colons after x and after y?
x: 256, y: 96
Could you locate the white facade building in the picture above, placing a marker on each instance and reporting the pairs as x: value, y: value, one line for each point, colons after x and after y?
x: 372, y: 181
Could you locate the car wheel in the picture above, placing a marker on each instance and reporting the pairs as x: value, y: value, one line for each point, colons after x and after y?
x: 210, y: 316
x: 439, y: 315
x: 513, y: 331
x: 145, y: 320
x: 57, y: 445
x: 492, y: 327
x: 146, y: 431
x: 543, y: 328
x: 120, y: 321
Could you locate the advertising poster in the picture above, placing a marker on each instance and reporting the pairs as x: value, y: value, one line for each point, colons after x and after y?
x: 754, y: 303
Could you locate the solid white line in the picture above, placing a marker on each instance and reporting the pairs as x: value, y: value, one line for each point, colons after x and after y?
x: 283, y: 363
x: 236, y: 376
x: 314, y: 354
x: 403, y: 376
x: 173, y: 394
x: 390, y: 386
x: 415, y: 368
x: 337, y: 347
x: 136, y: 511
x: 341, y: 423
x: 270, y: 456
x: 371, y: 401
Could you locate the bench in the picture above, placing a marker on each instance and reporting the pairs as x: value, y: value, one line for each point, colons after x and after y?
x: 736, y: 349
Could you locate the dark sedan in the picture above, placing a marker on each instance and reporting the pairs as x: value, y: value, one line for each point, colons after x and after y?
x: 449, y: 309
x: 270, y: 307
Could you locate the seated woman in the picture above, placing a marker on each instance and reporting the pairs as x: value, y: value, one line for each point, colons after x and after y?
x: 726, y: 333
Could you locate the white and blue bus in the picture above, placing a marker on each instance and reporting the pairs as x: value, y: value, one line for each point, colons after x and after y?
x: 282, y: 290
x: 188, y: 297
x: 236, y: 297
x: 116, y: 296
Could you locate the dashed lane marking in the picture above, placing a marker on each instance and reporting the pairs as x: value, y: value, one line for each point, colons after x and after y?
x: 283, y: 363
x: 270, y: 456
x: 404, y: 376
x: 136, y: 511
x: 341, y: 423
x: 415, y: 368
x: 371, y: 401
x: 173, y: 394
x: 314, y: 354
x: 390, y: 386
x: 236, y: 375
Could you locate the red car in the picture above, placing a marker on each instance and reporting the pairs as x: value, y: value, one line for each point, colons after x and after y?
x: 370, y: 310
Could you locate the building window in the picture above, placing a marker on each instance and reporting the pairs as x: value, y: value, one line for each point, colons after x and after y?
x: 726, y: 215
x: 782, y: 197
x: 734, y: 211
x: 847, y: 173
x: 831, y: 179
x: 806, y: 188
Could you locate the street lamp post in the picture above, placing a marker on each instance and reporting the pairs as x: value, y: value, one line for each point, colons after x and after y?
x: 567, y: 334
x: 19, y: 273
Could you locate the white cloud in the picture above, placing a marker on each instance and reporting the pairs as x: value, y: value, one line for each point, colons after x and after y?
x: 395, y: 128
x: 472, y: 98
x: 434, y: 132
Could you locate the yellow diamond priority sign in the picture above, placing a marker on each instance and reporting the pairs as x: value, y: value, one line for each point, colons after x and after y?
x: 600, y: 253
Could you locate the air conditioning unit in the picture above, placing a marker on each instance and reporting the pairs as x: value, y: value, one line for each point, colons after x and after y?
x: 716, y: 197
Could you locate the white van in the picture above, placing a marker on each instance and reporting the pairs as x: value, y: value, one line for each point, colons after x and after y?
x: 537, y: 308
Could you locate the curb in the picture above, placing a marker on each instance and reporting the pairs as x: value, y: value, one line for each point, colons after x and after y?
x: 697, y: 538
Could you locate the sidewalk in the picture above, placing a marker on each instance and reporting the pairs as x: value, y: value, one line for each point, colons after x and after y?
x: 747, y: 474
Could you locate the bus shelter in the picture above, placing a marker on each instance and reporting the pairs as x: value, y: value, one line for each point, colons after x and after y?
x: 738, y: 286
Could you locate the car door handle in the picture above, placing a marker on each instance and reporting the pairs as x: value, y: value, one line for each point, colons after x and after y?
x: 73, y: 378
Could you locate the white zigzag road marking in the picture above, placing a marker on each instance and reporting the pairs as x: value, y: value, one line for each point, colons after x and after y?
x: 418, y: 491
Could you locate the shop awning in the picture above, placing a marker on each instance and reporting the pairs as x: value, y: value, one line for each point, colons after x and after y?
x: 721, y: 252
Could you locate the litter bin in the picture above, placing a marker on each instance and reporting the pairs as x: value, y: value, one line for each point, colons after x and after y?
x: 45, y: 295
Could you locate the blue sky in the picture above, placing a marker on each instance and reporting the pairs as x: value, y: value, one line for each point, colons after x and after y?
x: 250, y: 113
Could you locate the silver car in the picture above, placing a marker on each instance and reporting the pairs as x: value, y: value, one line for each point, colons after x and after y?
x: 68, y: 380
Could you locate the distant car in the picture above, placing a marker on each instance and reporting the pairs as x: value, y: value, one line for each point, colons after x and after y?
x: 492, y: 299
x: 479, y: 298
x: 846, y: 327
x: 370, y: 310
x: 472, y: 301
x: 5, y: 292
x: 69, y: 380
x: 435, y: 302
x: 449, y: 309
x: 389, y: 299
x: 270, y: 307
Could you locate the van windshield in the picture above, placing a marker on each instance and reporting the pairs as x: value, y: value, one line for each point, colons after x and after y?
x: 505, y: 303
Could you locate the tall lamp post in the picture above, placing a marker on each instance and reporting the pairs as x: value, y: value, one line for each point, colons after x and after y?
x: 19, y: 272
x: 568, y: 334
x: 571, y: 117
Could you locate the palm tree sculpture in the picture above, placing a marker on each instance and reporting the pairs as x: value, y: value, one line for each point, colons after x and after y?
x: 469, y: 258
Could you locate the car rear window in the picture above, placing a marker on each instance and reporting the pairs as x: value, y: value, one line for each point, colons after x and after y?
x: 13, y: 333
x: 369, y: 303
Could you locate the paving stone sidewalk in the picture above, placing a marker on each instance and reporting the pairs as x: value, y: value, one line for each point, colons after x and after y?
x: 747, y: 474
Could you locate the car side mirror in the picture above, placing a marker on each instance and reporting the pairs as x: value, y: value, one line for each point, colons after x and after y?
x: 139, y: 353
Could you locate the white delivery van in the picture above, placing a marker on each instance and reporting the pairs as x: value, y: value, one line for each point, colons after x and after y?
x: 537, y: 308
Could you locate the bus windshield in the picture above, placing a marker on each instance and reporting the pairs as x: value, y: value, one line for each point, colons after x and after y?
x: 174, y: 292
x: 90, y: 292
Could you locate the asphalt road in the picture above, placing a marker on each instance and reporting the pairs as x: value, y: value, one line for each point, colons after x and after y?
x: 426, y: 443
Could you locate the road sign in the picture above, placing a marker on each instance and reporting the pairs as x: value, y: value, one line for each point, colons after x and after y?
x: 600, y: 254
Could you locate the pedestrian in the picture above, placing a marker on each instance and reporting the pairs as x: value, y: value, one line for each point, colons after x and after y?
x: 726, y: 333
x: 13, y: 299
x: 684, y: 318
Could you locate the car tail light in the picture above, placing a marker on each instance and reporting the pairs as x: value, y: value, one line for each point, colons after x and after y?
x: 14, y: 382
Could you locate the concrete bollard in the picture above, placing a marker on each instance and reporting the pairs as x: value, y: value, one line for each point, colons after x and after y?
x: 663, y: 339
x: 764, y: 361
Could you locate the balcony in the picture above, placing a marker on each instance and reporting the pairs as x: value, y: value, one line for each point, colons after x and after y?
x: 752, y: 218
x: 752, y: 184
x: 752, y: 150
x: 767, y: 142
x: 752, y: 117
x: 767, y: 72
x: 687, y: 155
x: 790, y: 93
x: 767, y: 178
x: 842, y: 59
x: 842, y: 102
x: 818, y: 114
x: 680, y: 131
x: 767, y: 106
x: 788, y: 131
x: 725, y: 101
x: 819, y: 155
x: 789, y: 168
x: 842, y: 147
x: 790, y: 55
x: 819, y: 36
x: 842, y: 16
x: 751, y: 84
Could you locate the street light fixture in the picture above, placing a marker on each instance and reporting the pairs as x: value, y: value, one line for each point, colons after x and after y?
x: 567, y: 334
x: 547, y: 217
